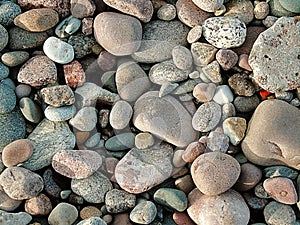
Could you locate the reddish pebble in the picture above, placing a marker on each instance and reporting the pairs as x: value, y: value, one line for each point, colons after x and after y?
x: 249, y: 177
x: 192, y: 151
x: 40, y: 205
x: 264, y: 94
x: 181, y: 218
x: 74, y: 74
x: 87, y: 26
x: 17, y: 152
x: 243, y: 62
x: 185, y: 183
x: 281, y: 189
x: 106, y: 61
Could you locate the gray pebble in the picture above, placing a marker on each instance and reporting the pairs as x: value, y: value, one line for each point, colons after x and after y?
x: 217, y: 141
x: 246, y: 104
x: 167, y: 88
x: 120, y: 115
x: 93, y: 141
x: 260, y: 191
x: 30, y: 110
x: 167, y: 12
x: 62, y: 113
x: 92, y: 221
x: 118, y: 201
x: 63, y: 213
x: 67, y: 27
x: 194, y: 34
x: 171, y: 198
x: 182, y: 57
x: 7, y: 99
x: 280, y: 171
x: 120, y: 142
x: 15, y: 218
x: 3, y: 37
x: 9, y: 82
x: 255, y: 202
x: 276, y: 213
x: 143, y: 213
x: 228, y: 110
x: 144, y: 140
x: 85, y: 119
x: 8, y: 12
x: 23, y: 90
x: 4, y: 71
x: 15, y: 58
x: 82, y: 44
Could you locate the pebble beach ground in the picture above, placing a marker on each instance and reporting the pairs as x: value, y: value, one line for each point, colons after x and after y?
x: 160, y: 112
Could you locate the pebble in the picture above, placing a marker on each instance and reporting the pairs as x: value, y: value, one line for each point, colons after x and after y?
x: 224, y: 32
x: 190, y: 14
x: 39, y: 205
x: 246, y: 104
x: 292, y: 6
x: 260, y: 191
x: 7, y: 99
x: 117, y: 201
x: 277, y: 10
x: 167, y: 88
x: 15, y: 58
x: 30, y: 110
x: 58, y: 50
x: 182, y: 57
x: 182, y: 218
x: 207, y: 117
x: 93, y: 140
x: 255, y: 202
x: 76, y: 164
x: 4, y: 71
x: 59, y: 114
x: 45, y: 145
x: 67, y: 27
x: 74, y: 74
x: 63, y: 213
x: 106, y: 61
x: 122, y: 36
x: 93, y: 221
x: 250, y: 176
x: 3, y: 37
x: 194, y: 34
x: 143, y: 213
x: 215, y: 172
x: 276, y: 144
x: 177, y: 159
x: 208, y: 5
x: 82, y: 44
x: 171, y: 198
x: 228, y: 110
x: 87, y: 26
x: 240, y: 9
x: 186, y: 87
x: 15, y: 218
x: 281, y: 189
x: 279, y: 214
x: 120, y: 142
x: 204, y: 92
x: 269, y: 21
x: 217, y: 141
x: 223, y: 95
x: 8, y: 12
x: 285, y: 96
x: 203, y: 53
x: 82, y: 8
x: 192, y: 151
x: 144, y: 140
x: 241, y: 85
x: 164, y: 117
x: 12, y: 127
x: 270, y: 70
x: 17, y: 152
x: 151, y: 167
x: 9, y: 82
x: 6, y: 203
x: 93, y: 189
x: 85, y: 119
x: 38, y: 71
x: 244, y: 62
x: 235, y: 129
x: 65, y: 194
x: 212, y: 72
x: 58, y: 95
x: 131, y: 81
x: 51, y: 187
x: 90, y: 211
x: 120, y: 115
x: 37, y: 20
x: 23, y: 39
x: 185, y: 183
x: 167, y: 12
x: 280, y: 171
x: 261, y: 10
x: 121, y: 219
x: 226, y: 58
x: 20, y: 183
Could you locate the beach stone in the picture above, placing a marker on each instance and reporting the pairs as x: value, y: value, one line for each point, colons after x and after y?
x: 92, y: 221
x: 17, y: 152
x: 246, y: 104
x: 58, y: 50
x: 143, y: 213
x: 215, y: 172
x: 37, y: 20
x: 261, y: 10
x: 6, y: 203
x: 90, y: 211
x: 106, y: 61
x: 249, y: 177
x: 270, y: 68
x: 121, y: 219
x: 277, y: 10
x: 241, y: 85
x: 15, y: 58
x: 203, y: 53
x: 39, y: 205
x: 292, y: 6
x: 48, y: 138
x: 63, y: 213
x: 144, y: 140
x: 117, y: 201
x: 269, y: 21
x: 93, y: 140
x: 194, y: 34
x: 12, y: 127
x: 167, y: 71
x: 50, y: 185
x: 171, y: 198
x: 120, y: 115
x: 167, y: 88
x: 15, y: 218
x: 7, y: 99
x: 217, y: 141
x: 240, y: 9
x: 223, y: 95
x: 228, y: 110
x: 93, y: 189
x: 281, y: 189
x: 4, y: 71
x: 8, y: 11
x: 58, y: 95
x: 190, y: 14
x: 76, y: 164
x: 20, y: 183
x: 30, y: 110
x: 74, y: 74
x: 224, y: 32
x: 67, y: 27
x: 59, y: 114
x: 9, y: 82
x: 23, y: 39
x: 280, y: 171
x: 134, y: 177
x: 279, y: 214
x: 38, y: 71
x: 255, y: 202
x: 131, y: 81
x: 244, y: 62
x: 82, y: 8
x: 276, y: 144
x: 3, y: 37
x: 122, y: 36
x: 204, y: 92
x: 209, y: 6
x: 85, y: 119
x: 87, y: 26
x: 192, y: 151
x: 158, y: 40
x: 167, y: 12
x: 235, y: 129
x: 120, y: 142
x: 185, y: 183
x: 207, y: 117
x: 82, y: 44
x: 182, y: 57
x: 182, y: 218
x: 177, y: 159
x: 164, y: 117
x: 226, y: 58
x: 143, y: 10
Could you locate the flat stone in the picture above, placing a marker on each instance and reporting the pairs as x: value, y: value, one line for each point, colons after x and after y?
x: 215, y: 172
x: 117, y: 201
x: 92, y: 221
x: 4, y: 71
x: 58, y: 95
x: 171, y: 198
x: 74, y: 74
x: 292, y: 6
x: 194, y: 34
x: 276, y: 144
x: 122, y: 36
x: 63, y: 213
x: 8, y: 11
x: 59, y: 114
x: 120, y: 115
x: 82, y: 8
x: 245, y: 104
x: 67, y: 27
x: 280, y: 171
x: 15, y: 218
x: 228, y: 110
x: 120, y: 142
x: 85, y: 119
x: 203, y: 53
x: 20, y: 183
x: 271, y: 69
x: 277, y: 10
x: 143, y: 213
x: 48, y: 138
x: 93, y: 189
x: 3, y: 37
x: 38, y: 71
x: 6, y: 203
x: 7, y: 99
x: 182, y: 57
x: 241, y: 9
x: 279, y: 214
x: 14, y: 58
x: 224, y: 32
x: 235, y: 129
x: 30, y: 110
x: 134, y: 177
x: 249, y: 177
x: 164, y: 117
x: 209, y: 6
x: 39, y: 205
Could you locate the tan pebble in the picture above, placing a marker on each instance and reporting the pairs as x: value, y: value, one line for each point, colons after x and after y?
x: 179, y: 172
x: 185, y: 183
x: 144, y: 140
x: 204, y: 92
x: 40, y: 205
x: 243, y: 62
x: 81, y: 137
x: 90, y: 211
x: 177, y: 159
x: 194, y: 34
x: 261, y: 10
x: 249, y: 177
x: 194, y: 200
x: 182, y: 218
x: 192, y: 151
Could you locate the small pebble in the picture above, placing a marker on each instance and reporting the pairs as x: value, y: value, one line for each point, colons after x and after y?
x: 58, y: 114
x: 246, y: 104
x: 203, y: 53
x: 82, y: 8
x: 167, y: 88
x: 280, y: 171
x: 235, y: 129
x: 177, y: 159
x: 228, y: 110
x: 57, y: 96
x: 93, y: 221
x: 67, y: 27
x: 192, y: 151
x: 194, y: 34
x: 15, y: 58
x: 261, y: 10
x: 144, y: 140
x: 74, y: 74
x: 185, y: 183
x: 223, y: 95
x: 171, y: 198
x: 120, y: 115
x: 217, y: 141
x: 209, y: 5
x: 8, y: 99
x: 14, y: 218
x: 260, y: 191
x: 241, y: 85
x: 30, y: 110
x: 182, y: 218
x: 143, y: 213
x: 255, y: 202
x: 167, y: 12
x: 3, y: 37
x: 182, y: 57
x: 51, y: 187
x: 244, y: 62
x: 240, y: 9
x: 118, y: 201
x: 90, y: 211
x: 63, y: 213
x: 276, y: 213
x: 269, y: 21
x: 87, y: 26
x: 212, y: 72
x: 65, y: 194
x: 85, y: 119
x: 8, y: 12
x: 82, y: 44
x: 204, y: 92
x: 93, y: 140
x: 4, y: 71
x: 39, y: 205
x: 120, y: 142
x: 226, y: 58
x: 249, y: 177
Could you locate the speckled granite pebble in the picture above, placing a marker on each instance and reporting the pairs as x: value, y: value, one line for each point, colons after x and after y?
x: 58, y: 95
x: 7, y: 99
x: 118, y: 201
x: 63, y: 213
x: 15, y: 218
x: 3, y: 37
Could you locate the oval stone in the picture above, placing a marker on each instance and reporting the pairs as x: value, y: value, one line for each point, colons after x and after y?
x: 120, y: 115
x: 7, y: 98
x: 30, y: 110
x: 3, y: 37
x: 60, y: 113
x: 14, y: 58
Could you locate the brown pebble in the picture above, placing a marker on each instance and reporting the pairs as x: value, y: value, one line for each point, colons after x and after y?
x: 40, y: 205
x: 185, y: 183
x: 249, y: 177
x: 182, y: 218
x: 81, y: 137
x: 90, y: 211
x: 87, y: 26
x: 192, y: 151
x: 179, y: 172
x: 243, y: 62
x: 106, y: 61
x: 74, y: 74
x: 121, y: 219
